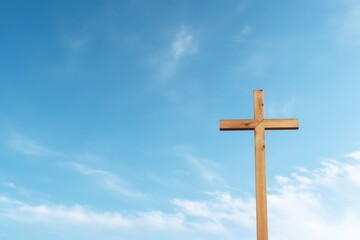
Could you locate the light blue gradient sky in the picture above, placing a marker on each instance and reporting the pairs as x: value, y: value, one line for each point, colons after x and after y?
x: 109, y: 118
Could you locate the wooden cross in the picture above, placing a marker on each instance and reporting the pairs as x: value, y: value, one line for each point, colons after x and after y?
x: 259, y: 124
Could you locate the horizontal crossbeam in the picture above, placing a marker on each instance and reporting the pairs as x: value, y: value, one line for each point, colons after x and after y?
x: 281, y: 124
x: 268, y: 124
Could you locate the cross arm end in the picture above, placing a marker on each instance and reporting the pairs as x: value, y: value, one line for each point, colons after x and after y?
x: 229, y: 125
x: 281, y: 124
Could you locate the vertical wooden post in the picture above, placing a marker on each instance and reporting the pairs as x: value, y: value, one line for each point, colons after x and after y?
x: 260, y: 178
x: 260, y: 168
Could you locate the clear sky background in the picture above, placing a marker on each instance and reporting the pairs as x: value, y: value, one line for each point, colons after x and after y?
x: 109, y: 118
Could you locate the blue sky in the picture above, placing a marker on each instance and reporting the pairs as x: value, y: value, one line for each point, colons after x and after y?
x: 109, y: 120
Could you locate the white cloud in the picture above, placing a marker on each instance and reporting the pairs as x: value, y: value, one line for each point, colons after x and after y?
x: 107, y: 180
x: 83, y: 216
x: 57, y: 214
x: 318, y: 204
x: 29, y: 147
x: 354, y: 155
x: 161, y: 220
x: 217, y: 212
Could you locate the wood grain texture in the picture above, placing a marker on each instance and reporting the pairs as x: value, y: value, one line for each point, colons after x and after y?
x: 247, y: 124
x: 268, y: 124
x: 260, y: 177
x: 281, y: 124
x: 258, y: 105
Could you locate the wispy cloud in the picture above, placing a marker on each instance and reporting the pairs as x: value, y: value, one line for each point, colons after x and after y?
x: 161, y: 220
x: 320, y: 203
x: 184, y: 44
x: 107, y: 180
x: 203, y: 167
x: 23, y: 212
x: 83, y: 216
x: 29, y: 147
x: 218, y: 211
x: 242, y: 36
x: 19, y: 189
